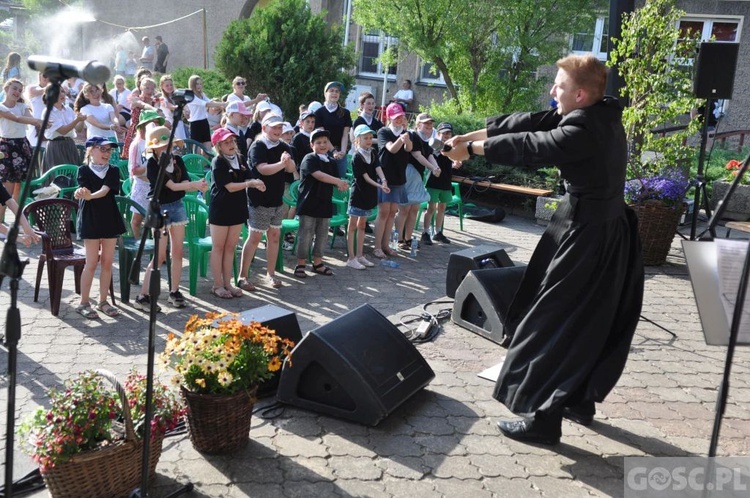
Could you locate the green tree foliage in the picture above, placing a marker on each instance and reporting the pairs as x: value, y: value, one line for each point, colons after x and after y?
x: 215, y: 85
x: 488, y: 51
x: 652, y: 59
x: 285, y: 51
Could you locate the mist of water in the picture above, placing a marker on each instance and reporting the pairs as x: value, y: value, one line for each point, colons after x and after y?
x: 66, y: 34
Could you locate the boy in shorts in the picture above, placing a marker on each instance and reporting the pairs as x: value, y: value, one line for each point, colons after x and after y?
x: 440, y: 190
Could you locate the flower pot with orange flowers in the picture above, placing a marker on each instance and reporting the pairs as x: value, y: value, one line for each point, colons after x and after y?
x: 738, y: 207
x: 219, y: 362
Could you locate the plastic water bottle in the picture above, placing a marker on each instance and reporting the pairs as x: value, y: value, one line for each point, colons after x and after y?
x: 199, y: 196
x: 394, y: 239
x: 389, y: 263
x: 414, y: 244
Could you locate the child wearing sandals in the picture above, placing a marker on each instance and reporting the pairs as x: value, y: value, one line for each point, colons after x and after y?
x: 228, y: 210
x: 177, y: 182
x: 319, y: 174
x: 99, y: 222
x: 394, y: 152
x: 363, y: 197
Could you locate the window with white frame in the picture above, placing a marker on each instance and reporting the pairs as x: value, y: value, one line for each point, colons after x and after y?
x: 720, y: 29
x: 594, y: 41
x: 373, y: 46
x: 430, y: 74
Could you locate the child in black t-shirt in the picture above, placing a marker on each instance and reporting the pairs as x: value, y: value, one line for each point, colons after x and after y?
x: 99, y: 222
x: 176, y: 184
x: 367, y: 116
x: 314, y: 205
x: 440, y: 189
x: 228, y: 210
x: 363, y: 197
x: 336, y: 119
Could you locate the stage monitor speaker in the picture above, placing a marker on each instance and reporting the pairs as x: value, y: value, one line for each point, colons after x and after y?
x: 483, y: 299
x: 284, y: 322
x: 358, y: 367
x: 478, y: 258
x: 714, y: 70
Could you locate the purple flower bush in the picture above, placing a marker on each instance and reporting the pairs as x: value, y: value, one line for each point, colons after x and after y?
x: 669, y: 187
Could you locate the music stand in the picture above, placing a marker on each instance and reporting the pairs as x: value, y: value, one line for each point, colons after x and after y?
x: 698, y: 259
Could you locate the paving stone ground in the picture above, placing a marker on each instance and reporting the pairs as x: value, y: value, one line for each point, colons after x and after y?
x: 442, y: 441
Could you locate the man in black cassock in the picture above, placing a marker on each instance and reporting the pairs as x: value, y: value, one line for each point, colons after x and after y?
x: 574, y: 315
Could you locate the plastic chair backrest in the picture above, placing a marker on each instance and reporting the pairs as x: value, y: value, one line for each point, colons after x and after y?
x: 69, y: 170
x: 123, y: 205
x: 54, y: 218
x: 195, y: 147
x: 291, y: 199
x: 196, y: 164
x: 127, y: 186
x: 197, y: 213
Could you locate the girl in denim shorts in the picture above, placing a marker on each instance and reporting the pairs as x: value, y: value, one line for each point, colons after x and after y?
x: 176, y: 184
x: 363, y: 196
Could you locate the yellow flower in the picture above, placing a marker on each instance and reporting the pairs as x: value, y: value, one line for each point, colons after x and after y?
x: 274, y: 365
x: 201, y: 382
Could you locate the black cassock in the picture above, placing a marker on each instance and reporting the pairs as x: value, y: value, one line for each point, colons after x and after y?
x: 574, y: 315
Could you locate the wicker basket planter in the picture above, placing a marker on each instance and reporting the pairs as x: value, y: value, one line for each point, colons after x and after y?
x: 219, y: 423
x: 657, y: 225
x: 109, y: 472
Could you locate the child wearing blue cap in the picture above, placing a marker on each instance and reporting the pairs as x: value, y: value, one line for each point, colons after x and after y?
x: 99, y: 222
x: 363, y: 197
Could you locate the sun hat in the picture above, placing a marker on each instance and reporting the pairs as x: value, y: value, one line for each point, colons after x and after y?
x: 394, y: 110
x: 424, y: 118
x: 94, y: 141
x: 156, y: 137
x: 272, y: 120
x: 237, y: 106
x: 363, y: 129
x: 149, y: 116
x: 337, y: 84
x: 320, y: 132
x: 220, y: 135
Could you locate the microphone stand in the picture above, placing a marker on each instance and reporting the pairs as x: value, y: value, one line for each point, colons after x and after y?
x: 154, y: 220
x: 12, y: 267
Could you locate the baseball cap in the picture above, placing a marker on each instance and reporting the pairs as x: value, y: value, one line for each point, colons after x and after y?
x: 263, y: 106
x: 272, y: 119
x: 306, y: 115
x: 320, y: 132
x: 424, y: 117
x: 94, y: 141
x: 394, y: 110
x: 287, y: 127
x: 363, y: 129
x: 220, y: 135
x: 237, y: 106
x: 445, y: 126
x: 314, y: 106
x: 337, y: 84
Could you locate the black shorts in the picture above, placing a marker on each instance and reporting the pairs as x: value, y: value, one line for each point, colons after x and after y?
x: 200, y: 131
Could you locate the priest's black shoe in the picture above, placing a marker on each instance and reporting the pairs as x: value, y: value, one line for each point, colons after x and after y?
x: 581, y: 413
x: 530, y: 430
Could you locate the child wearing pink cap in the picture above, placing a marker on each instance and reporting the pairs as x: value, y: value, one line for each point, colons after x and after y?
x: 394, y: 152
x: 228, y: 210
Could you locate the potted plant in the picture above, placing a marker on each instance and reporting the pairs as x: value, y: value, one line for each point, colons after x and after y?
x: 739, y: 204
x: 219, y: 362
x: 86, y: 444
x: 546, y: 206
x: 653, y: 58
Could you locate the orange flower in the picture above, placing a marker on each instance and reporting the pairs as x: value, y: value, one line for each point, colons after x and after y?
x: 733, y: 164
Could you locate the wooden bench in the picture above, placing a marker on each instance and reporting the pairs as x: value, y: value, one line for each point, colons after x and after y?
x: 504, y: 187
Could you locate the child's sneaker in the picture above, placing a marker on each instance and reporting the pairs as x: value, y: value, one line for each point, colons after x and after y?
x: 143, y: 303
x: 363, y: 260
x: 439, y: 237
x: 354, y: 263
x: 176, y: 299
x: 426, y: 240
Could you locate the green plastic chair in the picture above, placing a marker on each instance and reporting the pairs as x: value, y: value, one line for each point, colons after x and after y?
x: 195, y: 235
x: 456, y: 201
x: 288, y: 225
x: 196, y: 164
x: 340, y: 217
x: 127, y: 244
x: 194, y: 147
x: 127, y: 186
x: 69, y: 170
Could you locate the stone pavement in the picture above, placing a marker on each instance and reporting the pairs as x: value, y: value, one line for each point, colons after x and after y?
x: 441, y: 442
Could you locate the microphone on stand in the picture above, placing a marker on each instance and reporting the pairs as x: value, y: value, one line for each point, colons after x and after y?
x: 61, y: 69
